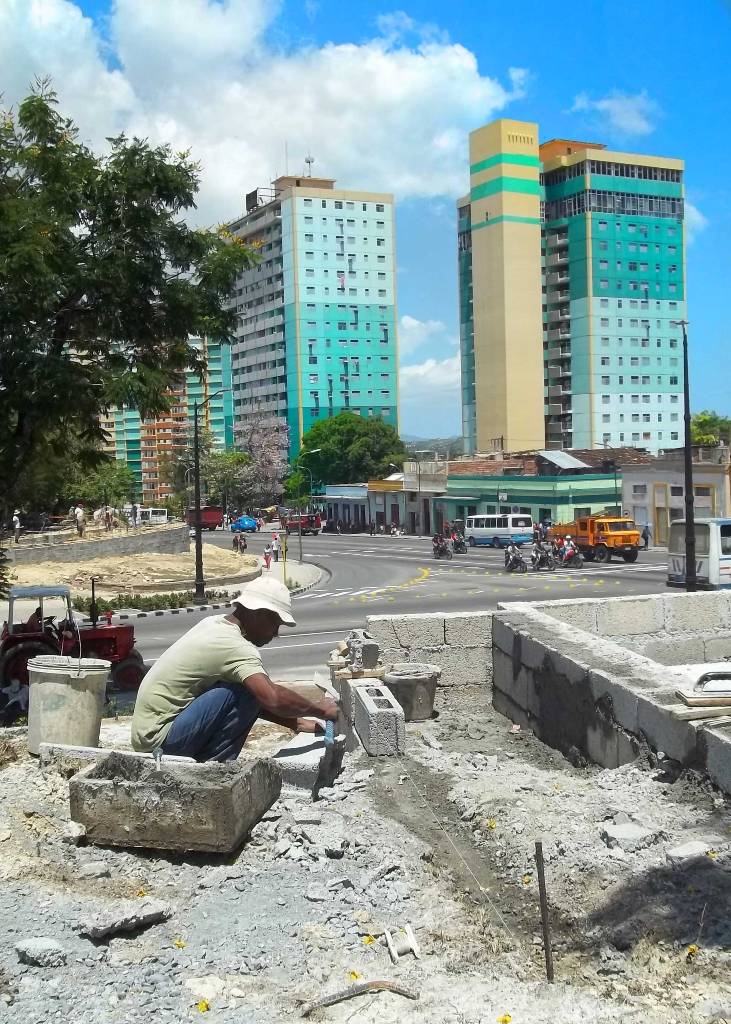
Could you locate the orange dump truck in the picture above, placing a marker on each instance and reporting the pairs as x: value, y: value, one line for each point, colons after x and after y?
x: 600, y: 537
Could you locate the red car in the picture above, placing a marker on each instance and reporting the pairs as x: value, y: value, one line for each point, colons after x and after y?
x: 310, y: 523
x: 211, y: 517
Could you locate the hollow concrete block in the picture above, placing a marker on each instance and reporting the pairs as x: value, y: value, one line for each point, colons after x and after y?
x: 581, y: 614
x: 468, y: 629
x: 669, y: 650
x: 675, y: 737
x: 620, y: 616
x: 379, y: 721
x: 693, y: 612
x: 460, y: 666
x: 209, y: 807
x: 717, y: 648
x: 717, y: 743
x: 67, y: 759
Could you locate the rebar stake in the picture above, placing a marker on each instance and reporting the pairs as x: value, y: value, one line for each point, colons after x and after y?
x: 544, y: 911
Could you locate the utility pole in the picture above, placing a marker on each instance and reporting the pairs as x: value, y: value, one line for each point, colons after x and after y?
x: 691, y: 581
x: 200, y: 583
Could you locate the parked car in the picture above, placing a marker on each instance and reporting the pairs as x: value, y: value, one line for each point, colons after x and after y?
x: 244, y: 524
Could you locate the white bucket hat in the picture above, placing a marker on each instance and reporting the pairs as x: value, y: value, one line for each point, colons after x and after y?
x: 265, y: 592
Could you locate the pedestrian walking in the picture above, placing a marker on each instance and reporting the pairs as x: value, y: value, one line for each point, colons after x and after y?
x: 135, y: 516
x: 646, y: 534
x: 235, y: 543
x: 268, y: 556
x: 276, y: 545
x: 16, y: 525
x: 80, y: 517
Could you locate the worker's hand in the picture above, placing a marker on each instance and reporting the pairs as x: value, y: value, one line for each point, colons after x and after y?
x: 328, y: 709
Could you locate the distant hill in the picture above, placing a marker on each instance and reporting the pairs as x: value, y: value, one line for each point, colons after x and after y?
x: 445, y: 447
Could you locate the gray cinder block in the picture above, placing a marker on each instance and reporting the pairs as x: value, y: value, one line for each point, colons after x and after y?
x: 379, y: 721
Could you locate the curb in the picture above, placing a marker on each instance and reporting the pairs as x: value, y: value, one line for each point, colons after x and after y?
x: 189, y: 609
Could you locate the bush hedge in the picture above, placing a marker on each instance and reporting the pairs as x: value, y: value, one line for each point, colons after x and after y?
x: 148, y: 602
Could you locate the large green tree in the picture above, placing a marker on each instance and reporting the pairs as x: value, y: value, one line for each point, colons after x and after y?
x: 353, y: 449
x: 112, y: 483
x: 101, y: 280
x: 710, y: 428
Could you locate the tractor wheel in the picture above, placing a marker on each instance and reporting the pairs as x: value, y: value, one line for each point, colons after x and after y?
x: 14, y: 663
x: 630, y: 556
x: 602, y: 553
x: 128, y: 673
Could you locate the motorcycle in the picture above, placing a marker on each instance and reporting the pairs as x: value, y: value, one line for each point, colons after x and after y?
x: 441, y: 550
x: 459, y: 546
x: 514, y: 561
x: 574, y: 561
x: 544, y: 560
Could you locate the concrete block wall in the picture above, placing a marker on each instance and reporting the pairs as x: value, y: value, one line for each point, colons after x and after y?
x: 672, y: 629
x: 168, y: 540
x: 459, y: 643
x: 593, y: 697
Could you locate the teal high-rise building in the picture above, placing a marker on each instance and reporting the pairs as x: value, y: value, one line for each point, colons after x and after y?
x: 571, y: 262
x: 317, y: 315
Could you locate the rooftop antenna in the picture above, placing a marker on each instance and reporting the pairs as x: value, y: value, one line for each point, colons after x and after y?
x: 286, y: 157
x: 309, y: 160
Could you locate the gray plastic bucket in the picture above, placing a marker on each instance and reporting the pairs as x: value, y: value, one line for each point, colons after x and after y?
x: 66, y: 700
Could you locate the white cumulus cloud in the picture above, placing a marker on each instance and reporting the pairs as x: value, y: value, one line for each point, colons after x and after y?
x: 390, y: 113
x: 622, y: 114
x: 429, y: 398
x: 415, y: 334
x: 695, y: 222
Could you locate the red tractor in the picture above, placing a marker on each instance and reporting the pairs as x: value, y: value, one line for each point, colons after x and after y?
x: 50, y: 634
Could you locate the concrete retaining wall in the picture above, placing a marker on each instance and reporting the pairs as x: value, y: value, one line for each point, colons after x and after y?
x: 563, y: 669
x: 460, y: 643
x: 169, y: 540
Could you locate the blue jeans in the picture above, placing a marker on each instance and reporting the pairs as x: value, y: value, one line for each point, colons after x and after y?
x: 215, y: 725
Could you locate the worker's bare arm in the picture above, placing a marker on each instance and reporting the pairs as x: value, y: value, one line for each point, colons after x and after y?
x: 284, y: 703
x: 295, y: 724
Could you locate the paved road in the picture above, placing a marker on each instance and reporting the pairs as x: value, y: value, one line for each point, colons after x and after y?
x: 389, y: 575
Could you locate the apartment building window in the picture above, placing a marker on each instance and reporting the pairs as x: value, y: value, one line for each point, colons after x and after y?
x: 676, y: 491
x: 673, y: 381
x: 380, y: 241
x: 309, y: 220
x: 635, y: 417
x: 673, y: 399
x: 605, y: 321
x: 635, y: 437
x: 606, y: 417
x: 310, y: 290
x: 645, y: 417
x: 602, y: 225
x: 338, y: 204
x: 308, y: 202
x: 309, y: 238
x: 645, y: 379
x: 605, y: 342
x: 604, y: 303
x: 379, y: 207
x: 635, y: 399
x: 604, y: 283
x: 605, y: 399
x: 350, y: 205
x: 673, y: 417
x: 381, y: 293
x: 605, y: 360
x: 605, y: 381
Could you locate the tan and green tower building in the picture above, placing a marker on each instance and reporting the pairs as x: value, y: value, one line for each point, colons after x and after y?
x: 571, y: 280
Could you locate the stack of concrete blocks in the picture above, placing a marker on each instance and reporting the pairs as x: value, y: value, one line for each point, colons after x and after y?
x: 369, y: 710
x: 459, y: 643
x: 567, y: 670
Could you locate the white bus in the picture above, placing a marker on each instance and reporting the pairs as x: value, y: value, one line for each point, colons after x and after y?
x: 498, y: 530
x: 152, y: 516
x: 712, y: 554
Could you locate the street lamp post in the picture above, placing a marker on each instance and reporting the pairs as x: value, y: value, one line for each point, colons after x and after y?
x: 420, y: 451
x: 303, y: 455
x: 200, y: 583
x: 691, y: 582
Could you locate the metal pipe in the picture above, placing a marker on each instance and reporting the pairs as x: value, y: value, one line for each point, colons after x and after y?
x: 691, y: 580
x: 545, y: 923
x: 200, y: 583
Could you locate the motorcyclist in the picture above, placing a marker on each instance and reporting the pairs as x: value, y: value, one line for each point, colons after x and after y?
x: 569, y: 549
x: 537, y: 552
x: 512, y: 555
x: 437, y: 543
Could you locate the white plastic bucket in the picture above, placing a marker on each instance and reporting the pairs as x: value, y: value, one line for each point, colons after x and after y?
x: 66, y: 700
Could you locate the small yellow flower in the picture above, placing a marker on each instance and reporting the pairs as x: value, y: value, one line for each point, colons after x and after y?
x: 354, y: 976
x: 692, y: 952
x: 527, y: 879
x: 140, y: 892
x: 180, y: 944
x: 368, y: 940
x: 204, y: 1006
x: 504, y: 1019
x: 711, y: 855
x: 491, y: 823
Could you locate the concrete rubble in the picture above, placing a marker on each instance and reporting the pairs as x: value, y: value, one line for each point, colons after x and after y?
x: 434, y: 841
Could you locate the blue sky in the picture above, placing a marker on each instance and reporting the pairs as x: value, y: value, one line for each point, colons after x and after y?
x: 384, y: 96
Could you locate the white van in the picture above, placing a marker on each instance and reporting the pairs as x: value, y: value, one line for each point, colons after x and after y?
x: 498, y: 530
x: 712, y: 554
x: 152, y: 516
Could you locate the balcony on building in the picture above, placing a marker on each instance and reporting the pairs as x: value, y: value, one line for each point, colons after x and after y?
x: 558, y: 315
x: 557, y: 239
x: 557, y: 259
x: 558, y: 277
x: 559, y: 334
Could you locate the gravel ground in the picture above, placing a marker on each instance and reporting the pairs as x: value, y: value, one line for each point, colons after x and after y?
x: 441, y: 840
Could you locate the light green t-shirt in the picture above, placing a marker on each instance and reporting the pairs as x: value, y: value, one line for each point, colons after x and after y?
x: 214, y: 650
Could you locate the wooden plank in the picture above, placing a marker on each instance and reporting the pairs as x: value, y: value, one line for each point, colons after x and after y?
x: 690, y: 714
